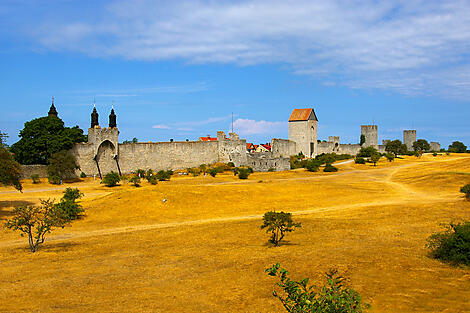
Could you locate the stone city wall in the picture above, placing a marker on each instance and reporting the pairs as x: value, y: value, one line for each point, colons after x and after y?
x: 265, y: 161
x: 28, y: 170
x: 283, y: 147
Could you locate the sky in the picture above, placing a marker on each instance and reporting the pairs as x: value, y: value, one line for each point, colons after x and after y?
x: 181, y: 69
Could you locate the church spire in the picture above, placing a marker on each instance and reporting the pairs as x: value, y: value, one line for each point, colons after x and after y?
x: 52, y: 110
x: 112, y: 117
x: 94, y: 117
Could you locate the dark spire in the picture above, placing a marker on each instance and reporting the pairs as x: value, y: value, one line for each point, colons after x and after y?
x: 94, y: 117
x: 112, y: 118
x: 52, y: 110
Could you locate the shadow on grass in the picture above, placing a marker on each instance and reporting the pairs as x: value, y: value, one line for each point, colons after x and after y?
x: 282, y: 243
x: 4, y: 214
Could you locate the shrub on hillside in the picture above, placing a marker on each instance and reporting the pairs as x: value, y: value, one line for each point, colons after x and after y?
x: 67, y: 205
x: 250, y: 170
x: 243, y: 173
x: 375, y: 158
x: 312, y: 165
x: 390, y: 156
x: 278, y: 224
x: 54, y: 179
x: 230, y: 164
x: 457, y: 147
x: 434, y: 154
x: 466, y: 190
x: 35, y: 178
x: 452, y: 245
x: 148, y: 174
x: 213, y: 171
x: 153, y: 180
x: 163, y: 175
x: 330, y: 168
x: 82, y: 175
x: 63, y: 165
x: 367, y: 152
x: 360, y: 160
x: 111, y: 179
x: 140, y: 172
x: 135, y: 180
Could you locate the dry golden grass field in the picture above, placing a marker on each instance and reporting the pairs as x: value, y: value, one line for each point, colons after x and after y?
x: 203, y: 251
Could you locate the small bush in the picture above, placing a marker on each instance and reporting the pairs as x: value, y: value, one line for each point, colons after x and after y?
x: 389, y: 156
x: 434, y: 154
x: 140, y: 172
x: 452, y: 245
x: 135, y: 180
x: 153, y: 180
x: 250, y: 170
x: 54, y: 179
x: 367, y: 152
x: 164, y: 175
x: 466, y: 190
x: 312, y: 165
x: 278, y: 224
x: 235, y: 171
x: 111, y: 179
x: 271, y: 169
x: 230, y: 164
x: 35, y: 178
x: 67, y: 205
x: 360, y: 160
x: 213, y: 171
x: 375, y: 158
x: 148, y: 174
x: 82, y: 175
x: 330, y: 168
x: 243, y: 173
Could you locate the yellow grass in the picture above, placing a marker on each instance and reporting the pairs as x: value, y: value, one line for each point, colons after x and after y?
x: 202, y: 250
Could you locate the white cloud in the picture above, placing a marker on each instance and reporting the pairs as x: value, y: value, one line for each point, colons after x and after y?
x: 411, y: 47
x: 252, y: 127
x: 161, y: 126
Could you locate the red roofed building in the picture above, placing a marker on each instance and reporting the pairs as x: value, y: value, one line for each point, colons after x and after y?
x: 208, y: 138
x: 303, y: 131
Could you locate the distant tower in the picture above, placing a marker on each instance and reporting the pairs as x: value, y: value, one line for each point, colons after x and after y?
x: 409, y: 137
x: 94, y: 118
x: 303, y: 131
x: 370, y: 134
x: 112, y: 118
x: 52, y: 110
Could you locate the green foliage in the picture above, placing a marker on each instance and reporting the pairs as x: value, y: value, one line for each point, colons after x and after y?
x: 10, y: 170
x: 67, y: 205
x: 434, y: 154
x: 396, y: 147
x: 271, y: 169
x: 457, y: 147
x: 452, y: 245
x: 359, y: 160
x: 330, y: 168
x: 466, y: 190
x: 203, y: 168
x: 250, y: 170
x: 362, y: 140
x: 299, y: 297
x: 62, y: 164
x: 163, y: 175
x: 140, y: 172
x: 421, y: 145
x: 243, y: 173
x: 313, y: 165
x: 135, y: 180
x: 297, y: 162
x: 82, y: 175
x: 134, y: 140
x: 44, y: 136
x: 153, y: 180
x: 327, y: 158
x: 367, y: 152
x: 111, y: 179
x: 278, y: 224
x: 418, y: 153
x: 390, y: 156
x: 148, y: 174
x: 375, y: 158
x: 54, y: 179
x: 235, y: 171
x: 35, y: 178
x: 230, y: 164
x: 3, y: 139
x: 195, y: 171
x: 36, y: 221
x: 213, y: 171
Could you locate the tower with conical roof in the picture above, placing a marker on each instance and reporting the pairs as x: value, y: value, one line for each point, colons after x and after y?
x: 112, y: 118
x: 52, y: 110
x: 94, y: 118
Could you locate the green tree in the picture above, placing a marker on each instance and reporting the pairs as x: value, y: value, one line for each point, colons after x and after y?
x: 452, y: 245
x: 111, y: 179
x: 396, y: 147
x: 300, y: 297
x: 375, y: 158
x: 134, y: 140
x: 135, y: 180
x: 466, y: 190
x: 312, y: 165
x: 330, y: 168
x: 3, y: 139
x: 163, y: 175
x: 243, y: 173
x: 213, y: 171
x: 62, y: 165
x: 278, y: 224
x: 10, y: 170
x: 67, y: 205
x: 44, y: 136
x: 363, y: 139
x: 457, y: 147
x: 390, y: 156
x: 35, y: 178
x: 367, y: 152
x: 36, y: 221
x: 359, y: 160
x: 421, y: 145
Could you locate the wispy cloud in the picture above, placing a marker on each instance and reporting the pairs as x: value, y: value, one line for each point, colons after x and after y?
x: 411, y: 47
x: 161, y: 126
x: 252, y: 127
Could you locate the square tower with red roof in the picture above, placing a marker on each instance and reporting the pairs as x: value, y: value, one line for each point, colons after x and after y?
x: 303, y: 131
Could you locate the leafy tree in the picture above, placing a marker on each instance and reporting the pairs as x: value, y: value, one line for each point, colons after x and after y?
x: 299, y: 297
x: 111, y: 179
x: 325, y: 158
x: 330, y: 168
x: 312, y: 165
x: 153, y: 180
x: 466, y: 190
x: 390, y: 157
x: 452, y: 245
x: 375, y: 158
x: 243, y: 173
x: 67, y: 205
x: 44, y: 136
x: 230, y: 164
x: 148, y: 174
x: 135, y: 180
x: 363, y: 139
x: 421, y: 145
x: 62, y: 164
x: 278, y: 224
x: 457, y: 147
x: 35, y: 178
x: 359, y: 160
x: 82, y: 175
x: 134, y: 140
x: 213, y: 171
x: 163, y: 175
x: 396, y: 147
x: 36, y: 221
x: 203, y: 168
x: 140, y: 172
x: 367, y: 152
x: 3, y: 139
x: 10, y: 170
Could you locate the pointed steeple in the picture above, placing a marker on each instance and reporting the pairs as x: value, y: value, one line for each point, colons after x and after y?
x: 52, y: 110
x: 112, y: 117
x: 94, y: 117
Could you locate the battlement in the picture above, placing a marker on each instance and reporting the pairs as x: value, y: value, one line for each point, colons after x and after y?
x: 370, y: 134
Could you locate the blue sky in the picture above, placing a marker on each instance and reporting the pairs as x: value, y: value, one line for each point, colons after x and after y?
x: 178, y: 69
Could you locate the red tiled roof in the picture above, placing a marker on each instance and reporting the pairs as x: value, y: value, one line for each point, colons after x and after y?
x: 208, y: 138
x: 267, y: 146
x: 302, y: 115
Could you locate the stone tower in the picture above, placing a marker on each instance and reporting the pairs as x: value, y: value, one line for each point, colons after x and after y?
x: 112, y: 119
x: 409, y: 137
x: 370, y: 133
x: 94, y: 118
x: 303, y: 131
x: 52, y: 110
